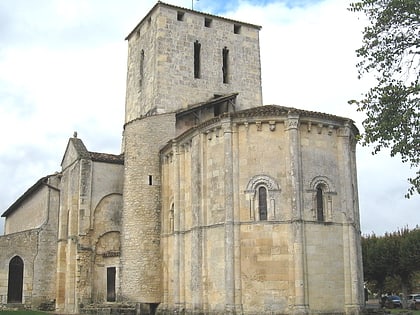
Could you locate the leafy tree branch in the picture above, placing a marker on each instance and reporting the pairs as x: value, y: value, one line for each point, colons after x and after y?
x: 391, y: 52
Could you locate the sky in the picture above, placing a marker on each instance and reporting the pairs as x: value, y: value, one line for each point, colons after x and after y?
x: 63, y: 69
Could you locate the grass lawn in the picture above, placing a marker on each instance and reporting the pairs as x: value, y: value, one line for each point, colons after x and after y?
x: 22, y: 313
x: 398, y: 311
x: 392, y: 311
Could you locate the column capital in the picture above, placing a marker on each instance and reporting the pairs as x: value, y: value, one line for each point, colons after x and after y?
x: 292, y: 121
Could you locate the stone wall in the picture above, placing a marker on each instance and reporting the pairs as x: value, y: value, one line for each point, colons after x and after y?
x: 89, y: 230
x: 140, y: 239
x: 18, y: 244
x: 44, y: 283
x: 36, y: 247
x: 34, y: 207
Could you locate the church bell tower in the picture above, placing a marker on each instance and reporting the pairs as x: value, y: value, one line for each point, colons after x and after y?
x: 177, y: 58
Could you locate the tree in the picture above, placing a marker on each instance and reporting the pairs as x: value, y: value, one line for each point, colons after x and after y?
x: 409, y: 257
x: 390, y: 262
x: 391, y: 52
x: 375, y: 261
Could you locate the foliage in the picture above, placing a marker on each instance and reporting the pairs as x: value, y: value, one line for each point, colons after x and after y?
x: 391, y: 52
x: 374, y: 256
x: 391, y: 261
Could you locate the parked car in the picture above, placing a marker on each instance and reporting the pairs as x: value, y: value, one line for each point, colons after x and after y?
x: 391, y: 301
x: 413, y: 301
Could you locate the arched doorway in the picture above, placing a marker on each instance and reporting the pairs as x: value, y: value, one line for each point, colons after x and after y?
x: 15, y: 282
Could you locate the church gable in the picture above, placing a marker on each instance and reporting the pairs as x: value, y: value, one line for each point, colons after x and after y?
x: 75, y: 150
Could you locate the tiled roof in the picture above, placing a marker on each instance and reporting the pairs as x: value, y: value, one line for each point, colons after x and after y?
x: 276, y: 110
x: 83, y: 153
x: 107, y: 158
x: 269, y: 111
x: 215, y: 100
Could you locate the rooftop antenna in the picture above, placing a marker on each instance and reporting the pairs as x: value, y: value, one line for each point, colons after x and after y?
x: 192, y: 4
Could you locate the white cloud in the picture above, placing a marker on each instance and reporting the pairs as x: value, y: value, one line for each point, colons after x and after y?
x: 63, y: 68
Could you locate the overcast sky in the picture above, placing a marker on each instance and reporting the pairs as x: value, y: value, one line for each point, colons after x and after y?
x: 63, y: 69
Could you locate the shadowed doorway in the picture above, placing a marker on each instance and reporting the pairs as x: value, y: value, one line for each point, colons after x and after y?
x: 15, y: 282
x: 110, y: 284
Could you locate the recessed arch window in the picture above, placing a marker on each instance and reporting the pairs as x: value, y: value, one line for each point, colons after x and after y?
x: 323, y: 192
x: 263, y: 194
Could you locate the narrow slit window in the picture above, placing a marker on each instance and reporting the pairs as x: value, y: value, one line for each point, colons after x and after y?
x: 319, y: 204
x: 262, y: 203
x: 197, y: 61
x: 141, y: 67
x: 180, y: 16
x: 225, y: 66
x: 171, y: 219
x: 150, y: 180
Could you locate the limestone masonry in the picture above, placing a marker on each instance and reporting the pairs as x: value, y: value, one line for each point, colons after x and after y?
x: 216, y: 204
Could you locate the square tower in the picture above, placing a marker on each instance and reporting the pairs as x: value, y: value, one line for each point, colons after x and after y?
x: 178, y: 57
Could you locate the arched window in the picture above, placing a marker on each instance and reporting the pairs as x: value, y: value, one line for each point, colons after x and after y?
x: 15, y: 281
x: 263, y: 194
x: 262, y: 203
x: 323, y: 195
x: 319, y: 203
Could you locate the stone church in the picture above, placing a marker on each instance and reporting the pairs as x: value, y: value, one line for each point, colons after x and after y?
x: 216, y: 205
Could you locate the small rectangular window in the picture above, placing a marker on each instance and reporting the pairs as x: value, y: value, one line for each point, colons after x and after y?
x: 236, y: 28
x: 150, y: 180
x: 207, y: 22
x: 180, y: 16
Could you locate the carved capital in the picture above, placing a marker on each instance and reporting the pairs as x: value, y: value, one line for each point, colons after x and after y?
x: 292, y: 122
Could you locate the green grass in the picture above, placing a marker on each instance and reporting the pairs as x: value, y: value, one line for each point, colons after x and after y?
x: 398, y: 311
x: 393, y: 312
x: 24, y: 313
